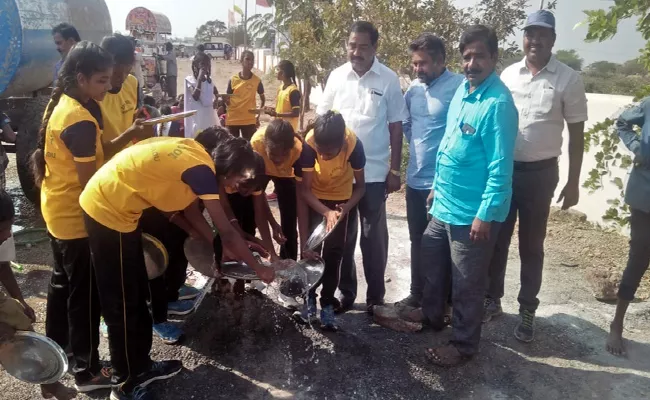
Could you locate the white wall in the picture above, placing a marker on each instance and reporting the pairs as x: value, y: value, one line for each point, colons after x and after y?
x: 601, y: 107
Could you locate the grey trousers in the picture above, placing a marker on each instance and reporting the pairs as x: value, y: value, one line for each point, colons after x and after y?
x: 533, y: 185
x: 374, y: 246
x: 416, y: 216
x: 448, y: 255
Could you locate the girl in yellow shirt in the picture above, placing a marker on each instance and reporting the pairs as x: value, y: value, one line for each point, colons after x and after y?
x: 333, y: 182
x: 69, y: 152
x: 244, y: 85
x: 287, y: 104
x: 172, y: 175
x: 280, y: 147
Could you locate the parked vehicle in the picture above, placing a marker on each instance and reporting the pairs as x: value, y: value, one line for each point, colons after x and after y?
x: 215, y: 49
x: 27, y: 69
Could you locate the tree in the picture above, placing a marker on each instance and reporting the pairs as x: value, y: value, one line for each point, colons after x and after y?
x: 507, y: 61
x: 633, y: 67
x: 505, y: 16
x: 236, y: 36
x: 210, y: 29
x: 570, y: 58
x: 603, y: 24
x: 602, y: 68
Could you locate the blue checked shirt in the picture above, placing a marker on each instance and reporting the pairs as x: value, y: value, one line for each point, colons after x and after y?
x: 424, y: 128
x: 475, y: 162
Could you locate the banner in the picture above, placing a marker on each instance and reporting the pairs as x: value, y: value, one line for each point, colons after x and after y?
x: 263, y: 3
x: 231, y: 18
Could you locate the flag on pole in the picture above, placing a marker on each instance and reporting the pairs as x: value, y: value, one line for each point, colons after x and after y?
x: 263, y: 3
x: 231, y: 18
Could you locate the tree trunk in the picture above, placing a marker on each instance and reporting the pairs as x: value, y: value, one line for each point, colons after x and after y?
x: 307, y: 92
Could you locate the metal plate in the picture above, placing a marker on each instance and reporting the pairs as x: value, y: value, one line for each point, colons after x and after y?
x: 156, y: 258
x: 200, y: 255
x: 33, y: 358
x: 238, y: 270
x: 319, y: 235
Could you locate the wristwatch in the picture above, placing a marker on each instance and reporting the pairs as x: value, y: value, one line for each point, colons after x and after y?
x: 395, y: 172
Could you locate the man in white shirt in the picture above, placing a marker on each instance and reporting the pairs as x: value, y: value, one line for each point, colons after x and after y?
x: 547, y: 93
x: 368, y: 95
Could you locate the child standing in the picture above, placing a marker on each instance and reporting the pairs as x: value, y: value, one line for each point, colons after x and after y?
x: 244, y: 85
x: 280, y: 148
x: 333, y: 182
x: 69, y: 151
x: 287, y: 106
x: 200, y: 95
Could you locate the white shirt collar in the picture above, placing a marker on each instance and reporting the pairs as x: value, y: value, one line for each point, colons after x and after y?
x: 375, y: 68
x: 551, y: 66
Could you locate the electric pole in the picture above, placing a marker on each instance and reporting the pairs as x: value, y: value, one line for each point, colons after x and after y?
x: 245, y: 24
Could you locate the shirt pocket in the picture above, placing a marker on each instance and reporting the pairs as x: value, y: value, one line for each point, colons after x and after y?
x: 462, y: 146
x: 545, y: 101
x: 373, y: 103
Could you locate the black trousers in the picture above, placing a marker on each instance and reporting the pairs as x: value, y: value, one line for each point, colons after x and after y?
x: 73, y: 310
x: 245, y: 131
x: 533, y: 185
x: 244, y: 210
x: 639, y: 255
x: 416, y: 216
x: 123, y: 293
x: 332, y: 253
x: 164, y: 289
x: 285, y: 188
x: 172, y: 86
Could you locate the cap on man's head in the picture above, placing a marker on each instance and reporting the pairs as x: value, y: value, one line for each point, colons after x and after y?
x: 541, y: 18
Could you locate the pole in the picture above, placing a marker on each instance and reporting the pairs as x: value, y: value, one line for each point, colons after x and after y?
x: 245, y: 24
x: 541, y: 4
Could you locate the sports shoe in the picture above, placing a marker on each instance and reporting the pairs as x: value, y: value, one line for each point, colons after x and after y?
x: 525, y: 329
x: 160, y: 370
x: 188, y: 292
x: 409, y: 301
x: 168, y: 332
x: 138, y: 393
x: 308, y: 314
x: 180, y: 307
x: 102, y: 380
x: 491, y: 309
x: 327, y: 319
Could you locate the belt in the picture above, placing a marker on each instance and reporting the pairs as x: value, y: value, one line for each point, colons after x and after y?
x: 535, y: 165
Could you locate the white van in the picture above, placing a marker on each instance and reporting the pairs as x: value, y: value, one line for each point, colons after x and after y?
x: 215, y: 49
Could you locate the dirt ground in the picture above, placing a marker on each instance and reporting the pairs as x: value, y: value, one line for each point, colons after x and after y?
x: 251, y: 349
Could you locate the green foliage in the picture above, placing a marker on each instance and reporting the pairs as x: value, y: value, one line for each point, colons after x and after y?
x: 603, y: 68
x: 210, y: 29
x: 570, y: 58
x: 603, y: 24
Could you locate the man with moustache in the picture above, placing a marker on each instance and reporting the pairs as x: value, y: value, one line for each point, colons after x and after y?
x: 65, y: 36
x: 427, y: 101
x: 472, y: 190
x: 547, y: 93
x: 369, y: 96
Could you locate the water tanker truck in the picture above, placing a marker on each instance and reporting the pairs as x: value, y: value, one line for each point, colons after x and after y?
x: 27, y: 59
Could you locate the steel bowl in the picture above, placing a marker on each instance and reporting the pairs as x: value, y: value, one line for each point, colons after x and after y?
x: 319, y: 235
x: 200, y: 255
x: 33, y: 358
x: 156, y: 258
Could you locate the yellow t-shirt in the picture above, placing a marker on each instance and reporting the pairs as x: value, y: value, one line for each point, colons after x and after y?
x: 119, y: 109
x: 289, y: 169
x: 288, y: 99
x: 73, y: 135
x: 333, y: 179
x: 165, y: 172
x: 245, y: 91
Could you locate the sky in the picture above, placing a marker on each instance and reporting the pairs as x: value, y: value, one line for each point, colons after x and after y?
x: 184, y: 19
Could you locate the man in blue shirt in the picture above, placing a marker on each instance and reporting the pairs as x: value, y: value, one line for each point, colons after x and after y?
x: 65, y: 36
x: 637, y: 196
x: 427, y: 100
x: 472, y: 191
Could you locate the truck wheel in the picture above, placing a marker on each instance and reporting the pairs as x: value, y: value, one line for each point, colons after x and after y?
x: 26, y: 141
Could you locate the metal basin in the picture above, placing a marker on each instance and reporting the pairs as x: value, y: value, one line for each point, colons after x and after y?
x: 156, y: 258
x: 33, y: 358
x: 319, y: 235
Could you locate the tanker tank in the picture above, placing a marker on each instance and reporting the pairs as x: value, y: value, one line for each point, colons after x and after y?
x: 27, y: 51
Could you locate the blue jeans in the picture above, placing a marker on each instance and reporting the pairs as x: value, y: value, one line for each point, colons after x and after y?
x: 639, y: 256
x: 448, y: 255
